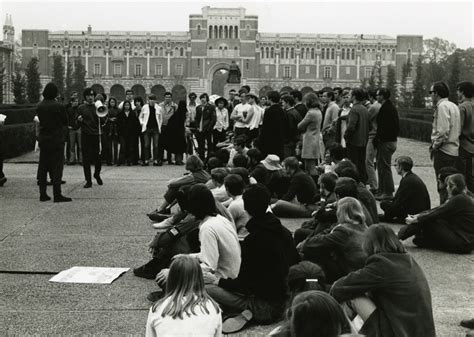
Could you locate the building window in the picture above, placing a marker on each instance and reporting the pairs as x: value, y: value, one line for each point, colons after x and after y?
x: 198, y: 62
x: 292, y: 53
x: 247, y: 65
x: 96, y: 69
x: 348, y: 70
x: 199, y: 29
x: 287, y: 72
x: 306, y: 70
x: 158, y: 70
x: 272, y: 53
x: 247, y: 31
x: 343, y: 54
x: 161, y: 53
x: 312, y: 53
x: 178, y: 69
x: 323, y: 53
x: 333, y: 54
x: 236, y: 32
x: 267, y: 69
x: 210, y: 32
x: 117, y: 69
x: 35, y: 50
x: 367, y: 72
x: 327, y: 71
x: 138, y: 70
x: 409, y: 56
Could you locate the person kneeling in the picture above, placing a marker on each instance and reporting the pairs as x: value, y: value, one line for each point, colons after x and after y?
x: 260, y: 290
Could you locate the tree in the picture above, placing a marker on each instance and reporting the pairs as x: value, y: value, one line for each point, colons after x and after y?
x: 19, y: 86
x: 379, y: 75
x: 2, y: 80
x: 392, y: 82
x: 33, y: 84
x: 437, y: 52
x: 68, y: 81
x: 454, y: 77
x: 58, y: 74
x: 78, y: 77
x: 405, y: 93
x: 418, y: 86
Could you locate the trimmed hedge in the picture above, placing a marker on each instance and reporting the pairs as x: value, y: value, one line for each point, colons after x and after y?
x: 19, y: 115
x: 416, y: 113
x: 415, y: 129
x: 17, y: 139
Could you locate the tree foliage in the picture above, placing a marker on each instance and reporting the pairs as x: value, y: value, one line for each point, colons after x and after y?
x: 391, y: 83
x: 68, y: 81
x: 78, y: 77
x: 33, y: 84
x: 58, y: 74
x: 405, y: 91
x: 454, y: 77
x: 418, y: 86
x: 19, y: 86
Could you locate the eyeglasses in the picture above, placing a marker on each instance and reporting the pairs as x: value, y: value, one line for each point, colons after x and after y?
x: 431, y: 92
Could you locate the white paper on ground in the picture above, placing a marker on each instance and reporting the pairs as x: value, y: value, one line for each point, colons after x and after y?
x: 100, y: 275
x: 2, y: 118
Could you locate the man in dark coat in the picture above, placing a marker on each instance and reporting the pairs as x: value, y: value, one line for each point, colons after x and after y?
x: 293, y: 118
x: 205, y: 121
x: 412, y: 197
x: 267, y: 254
x: 271, y: 139
x: 53, y: 119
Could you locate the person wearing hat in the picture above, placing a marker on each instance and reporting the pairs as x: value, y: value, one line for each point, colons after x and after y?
x: 53, y: 119
x: 268, y: 172
x: 222, y: 121
x: 89, y: 121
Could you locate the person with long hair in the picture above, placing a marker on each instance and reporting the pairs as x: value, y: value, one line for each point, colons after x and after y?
x: 449, y: 227
x: 311, y: 126
x: 128, y: 130
x: 186, y: 309
x: 112, y: 131
x: 390, y: 293
x: 176, y: 143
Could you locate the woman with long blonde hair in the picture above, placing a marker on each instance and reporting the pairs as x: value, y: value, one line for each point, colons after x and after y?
x: 186, y: 309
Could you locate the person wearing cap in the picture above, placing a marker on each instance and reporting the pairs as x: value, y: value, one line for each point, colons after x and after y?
x: 89, y: 122
x: 269, y: 172
x: 53, y: 118
x: 222, y: 121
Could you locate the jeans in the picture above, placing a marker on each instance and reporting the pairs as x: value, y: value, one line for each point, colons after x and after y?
x: 51, y: 160
x: 202, y: 138
x: 217, y: 137
x: 439, y: 235
x: 357, y: 154
x: 287, y: 209
x: 90, y: 155
x: 371, y: 153
x: 441, y: 159
x: 385, y: 151
x: 162, y: 145
x: 466, y: 167
x: 128, y: 149
x: 231, y: 303
x: 75, y: 141
x: 151, y: 136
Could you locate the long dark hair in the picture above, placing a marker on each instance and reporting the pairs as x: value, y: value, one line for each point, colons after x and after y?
x: 201, y: 202
x: 381, y: 239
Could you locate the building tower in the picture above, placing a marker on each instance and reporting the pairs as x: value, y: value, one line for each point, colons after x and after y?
x: 8, y: 31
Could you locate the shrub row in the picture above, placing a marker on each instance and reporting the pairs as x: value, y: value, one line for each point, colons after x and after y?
x: 20, y: 115
x: 415, y: 129
x: 17, y: 139
x: 416, y: 113
x: 17, y: 106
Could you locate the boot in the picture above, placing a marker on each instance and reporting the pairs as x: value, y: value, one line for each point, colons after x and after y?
x: 43, y: 195
x: 150, y: 269
x: 58, y: 197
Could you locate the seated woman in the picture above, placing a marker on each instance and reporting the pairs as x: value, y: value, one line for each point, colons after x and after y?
x: 399, y: 298
x: 449, y: 227
x: 339, y: 251
x: 186, y: 309
x: 197, y: 175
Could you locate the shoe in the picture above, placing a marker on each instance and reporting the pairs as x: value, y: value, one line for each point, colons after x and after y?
x: 407, y: 231
x: 468, y: 323
x: 88, y: 184
x: 129, y: 164
x: 63, y: 182
x: 237, y: 323
x: 179, y: 163
x: 62, y: 198
x: 99, y: 180
x: 158, y: 163
x: 163, y: 225
x: 156, y: 211
x: 155, y: 296
x: 144, y: 272
x: 3, y: 181
x: 420, y: 242
x: 158, y: 217
x: 171, y: 163
x: 383, y: 196
x: 145, y: 163
x: 45, y: 197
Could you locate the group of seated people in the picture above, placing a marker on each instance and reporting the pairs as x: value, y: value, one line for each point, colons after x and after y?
x: 224, y: 259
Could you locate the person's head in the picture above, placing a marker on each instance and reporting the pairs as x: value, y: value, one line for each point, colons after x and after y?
x: 328, y: 96
x: 346, y: 168
x: 443, y: 173
x: 465, y: 90
x: 168, y: 96
x: 127, y: 106
x: 240, y: 160
x: 234, y: 185
x: 89, y: 95
x: 346, y: 187
x: 243, y: 96
x: 194, y: 164
x: 403, y: 164
x: 192, y: 96
x: 274, y: 97
x: 201, y: 202
x: 291, y: 165
x: 316, y: 314
x: 112, y: 102
x: 232, y: 94
x: 287, y: 101
x: 74, y: 94
x: 139, y: 102
x: 245, y: 87
x: 382, y: 95
x: 99, y: 97
x: 75, y: 102
x: 218, y: 175
x: 239, y: 143
x: 223, y: 155
x: 380, y: 238
x: 337, y: 92
x: 152, y: 99
x: 185, y: 289
x: 327, y: 183
x: 243, y: 173
x: 312, y: 101
x: 336, y: 152
x: 212, y: 163
x: 358, y: 95
x: 129, y: 95
x: 439, y: 90
x: 297, y: 95
x: 455, y: 184
x: 305, y: 276
x: 255, y: 156
x: 372, y: 95
x: 220, y: 104
x: 256, y: 199
x: 204, y: 98
x: 346, y: 97
x: 349, y: 211
x: 263, y: 100
x: 251, y: 98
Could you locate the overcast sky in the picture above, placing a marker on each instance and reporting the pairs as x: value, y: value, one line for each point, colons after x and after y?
x: 451, y: 20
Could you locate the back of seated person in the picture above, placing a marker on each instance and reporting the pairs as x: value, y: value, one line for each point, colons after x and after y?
x: 240, y: 160
x: 218, y: 175
x: 234, y: 185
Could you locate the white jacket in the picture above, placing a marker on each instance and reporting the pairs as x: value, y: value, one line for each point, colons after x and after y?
x: 145, y: 114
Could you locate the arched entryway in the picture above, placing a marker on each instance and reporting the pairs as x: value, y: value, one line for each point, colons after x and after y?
x: 219, y: 80
x: 99, y: 89
x: 139, y: 90
x: 286, y: 90
x: 118, y: 91
x: 179, y: 93
x: 265, y: 90
x: 159, y: 91
x: 306, y: 90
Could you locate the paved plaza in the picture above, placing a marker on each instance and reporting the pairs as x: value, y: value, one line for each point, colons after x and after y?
x: 106, y: 226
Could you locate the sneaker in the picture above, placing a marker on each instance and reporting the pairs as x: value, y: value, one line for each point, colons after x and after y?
x: 155, y: 296
x: 3, y: 181
x: 237, y: 323
x: 144, y: 272
x: 158, y: 217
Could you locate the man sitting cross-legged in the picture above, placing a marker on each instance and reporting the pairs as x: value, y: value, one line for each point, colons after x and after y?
x: 260, y: 291
x: 234, y: 185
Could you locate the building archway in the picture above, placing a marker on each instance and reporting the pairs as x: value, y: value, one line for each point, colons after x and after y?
x: 159, y: 91
x: 217, y: 75
x: 139, y: 90
x: 306, y: 90
x: 179, y: 93
x: 265, y: 90
x: 118, y: 91
x: 99, y: 89
x: 286, y: 89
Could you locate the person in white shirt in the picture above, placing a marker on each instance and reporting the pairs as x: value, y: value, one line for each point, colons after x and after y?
x: 219, y: 193
x: 128, y: 97
x: 234, y: 185
x: 186, y: 309
x: 151, y: 118
x: 254, y: 118
x: 239, y: 113
x: 222, y: 121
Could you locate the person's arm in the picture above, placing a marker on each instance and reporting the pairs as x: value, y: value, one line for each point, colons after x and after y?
x: 452, y: 205
x: 308, y: 119
x: 251, y: 253
x: 209, y: 254
x: 353, y: 118
x: 181, y: 181
x: 324, y: 243
x: 159, y: 111
x: 235, y: 114
x: 226, y: 119
x: 141, y: 117
x: 212, y: 110
x: 441, y: 133
x: 292, y: 190
x: 249, y: 115
x: 150, y: 324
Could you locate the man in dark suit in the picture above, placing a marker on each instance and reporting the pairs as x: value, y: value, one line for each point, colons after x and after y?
x: 271, y: 136
x: 411, y: 197
x: 205, y: 121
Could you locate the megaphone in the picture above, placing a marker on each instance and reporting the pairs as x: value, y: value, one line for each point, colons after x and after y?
x: 101, y: 109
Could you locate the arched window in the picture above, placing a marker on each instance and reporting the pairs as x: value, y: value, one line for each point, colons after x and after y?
x: 236, y: 32
x: 333, y: 54
x: 328, y: 55
x: 220, y: 32
x: 210, y: 31
x: 161, y: 51
x: 220, y: 48
x: 409, y: 55
x: 287, y: 53
x: 155, y: 51
x: 272, y: 52
x: 216, y: 32
x: 383, y: 55
x: 312, y: 53
x: 181, y: 51
x: 323, y: 53
x: 199, y: 29
x: 348, y: 54
x: 292, y: 53
x: 210, y: 47
x: 302, y: 53
x: 226, y: 32
x: 353, y: 53
x: 231, y: 32
x: 262, y: 52
x: 176, y: 51
x: 343, y: 53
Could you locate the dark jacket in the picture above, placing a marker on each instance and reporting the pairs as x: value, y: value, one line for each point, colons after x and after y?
x: 291, y: 125
x: 387, y: 123
x: 208, y: 115
x: 303, y: 187
x: 271, y: 131
x: 268, y: 252
x: 128, y: 126
x: 398, y: 287
x: 302, y: 109
x: 53, y: 119
x: 90, y: 120
x: 368, y: 200
x: 458, y: 212
x: 338, y: 251
x: 357, y: 132
x: 72, y: 113
x: 176, y: 142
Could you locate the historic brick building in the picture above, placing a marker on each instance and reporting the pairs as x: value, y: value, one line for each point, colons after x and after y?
x: 198, y: 60
x: 7, y: 60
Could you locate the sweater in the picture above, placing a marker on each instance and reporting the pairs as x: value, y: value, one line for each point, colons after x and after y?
x: 466, y: 140
x: 90, y: 120
x: 446, y: 128
x: 53, y: 119
x: 387, y: 123
x: 303, y: 187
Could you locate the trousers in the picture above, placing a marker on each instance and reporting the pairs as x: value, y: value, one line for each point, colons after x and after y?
x: 90, y: 155
x: 51, y: 161
x: 385, y: 151
x: 357, y: 154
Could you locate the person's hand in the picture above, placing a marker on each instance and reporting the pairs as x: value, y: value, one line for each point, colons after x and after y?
x: 410, y: 219
x: 162, y: 277
x: 151, y: 250
x: 210, y: 278
x: 80, y: 118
